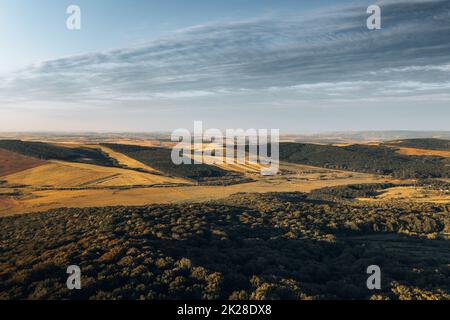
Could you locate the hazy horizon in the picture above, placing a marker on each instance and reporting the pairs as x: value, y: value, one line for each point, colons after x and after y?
x: 406, y: 134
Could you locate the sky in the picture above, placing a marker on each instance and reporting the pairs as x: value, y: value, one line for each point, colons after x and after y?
x: 298, y: 66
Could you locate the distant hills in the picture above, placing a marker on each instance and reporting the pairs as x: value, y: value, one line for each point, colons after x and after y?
x: 319, y: 137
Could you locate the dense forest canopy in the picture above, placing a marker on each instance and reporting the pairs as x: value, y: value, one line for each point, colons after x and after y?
x: 248, y: 246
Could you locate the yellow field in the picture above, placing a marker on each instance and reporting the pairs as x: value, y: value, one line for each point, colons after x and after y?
x: 144, y: 142
x: 125, y: 160
x: 423, y: 152
x: 304, y: 181
x: 414, y: 194
x: 61, y: 174
x: 245, y: 168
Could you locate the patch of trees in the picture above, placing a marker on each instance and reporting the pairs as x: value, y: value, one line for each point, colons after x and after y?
x: 350, y: 192
x: 434, y: 184
x: 432, y: 144
x: 160, y: 159
x: 248, y: 246
x: 362, y: 158
x: 46, y: 151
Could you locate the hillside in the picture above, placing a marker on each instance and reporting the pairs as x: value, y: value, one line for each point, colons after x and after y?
x: 431, y: 144
x: 248, y: 246
x: 65, y: 175
x: 364, y: 158
x: 160, y: 159
x: 11, y: 162
x: 46, y: 151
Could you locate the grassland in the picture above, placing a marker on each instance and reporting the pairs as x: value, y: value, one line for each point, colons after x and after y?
x: 423, y: 152
x: 125, y: 161
x: 59, y: 174
x: 306, y: 179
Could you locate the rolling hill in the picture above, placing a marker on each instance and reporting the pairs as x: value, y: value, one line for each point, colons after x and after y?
x: 11, y: 162
x: 65, y: 175
x: 160, y: 159
x: 46, y: 151
x: 364, y: 158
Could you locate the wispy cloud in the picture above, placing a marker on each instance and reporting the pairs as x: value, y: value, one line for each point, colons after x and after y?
x: 328, y: 55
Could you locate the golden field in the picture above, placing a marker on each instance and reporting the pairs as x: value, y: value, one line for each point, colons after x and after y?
x: 41, y: 200
x: 60, y: 174
x: 414, y: 194
x: 126, y: 161
x: 423, y: 152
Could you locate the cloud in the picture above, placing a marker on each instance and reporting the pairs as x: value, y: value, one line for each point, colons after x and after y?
x: 322, y: 56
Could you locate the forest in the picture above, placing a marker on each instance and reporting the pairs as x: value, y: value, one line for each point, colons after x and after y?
x: 365, y: 158
x: 349, y: 192
x: 247, y: 246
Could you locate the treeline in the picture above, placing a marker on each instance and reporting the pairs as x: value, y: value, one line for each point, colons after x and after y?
x: 46, y: 151
x: 249, y: 246
x: 432, y: 144
x: 361, y: 158
x: 160, y: 159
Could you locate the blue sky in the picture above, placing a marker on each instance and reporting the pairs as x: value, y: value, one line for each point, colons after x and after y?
x: 33, y: 31
x: 158, y: 65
